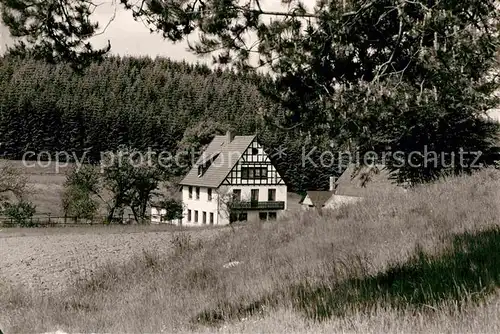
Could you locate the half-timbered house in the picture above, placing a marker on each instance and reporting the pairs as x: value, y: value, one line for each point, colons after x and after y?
x: 233, y: 180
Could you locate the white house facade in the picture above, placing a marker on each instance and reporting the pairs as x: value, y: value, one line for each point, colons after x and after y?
x: 234, y: 180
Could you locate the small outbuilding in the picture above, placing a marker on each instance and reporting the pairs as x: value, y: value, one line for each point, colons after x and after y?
x: 351, y: 187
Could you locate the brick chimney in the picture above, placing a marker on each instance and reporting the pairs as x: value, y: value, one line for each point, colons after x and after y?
x: 332, y: 183
x: 229, y: 137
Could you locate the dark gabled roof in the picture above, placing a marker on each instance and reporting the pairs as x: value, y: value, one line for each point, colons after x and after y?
x: 228, y: 155
x: 354, y: 182
x: 319, y: 197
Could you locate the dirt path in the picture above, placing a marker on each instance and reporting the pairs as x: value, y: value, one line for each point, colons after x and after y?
x: 51, y: 261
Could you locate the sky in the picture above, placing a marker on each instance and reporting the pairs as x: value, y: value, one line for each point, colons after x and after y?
x: 129, y: 37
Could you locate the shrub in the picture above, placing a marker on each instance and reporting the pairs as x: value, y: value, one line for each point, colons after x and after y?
x: 173, y: 208
x: 21, y: 213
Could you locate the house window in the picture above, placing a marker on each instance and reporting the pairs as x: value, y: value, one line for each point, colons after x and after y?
x: 211, y: 218
x: 271, y: 195
x: 248, y: 173
x: 204, y: 217
x: 190, y: 192
x: 255, y: 151
x: 209, y: 191
x: 234, y: 217
x: 254, y: 195
x: 263, y: 215
x: 257, y: 173
x: 197, y: 192
x: 195, y: 216
x: 189, y: 215
x: 237, y: 194
x: 272, y: 216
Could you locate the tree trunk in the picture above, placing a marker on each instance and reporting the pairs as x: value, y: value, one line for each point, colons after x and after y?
x: 134, y: 211
x: 111, y: 213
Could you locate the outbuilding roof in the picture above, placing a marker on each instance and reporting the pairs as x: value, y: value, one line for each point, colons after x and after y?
x: 356, y: 180
x: 318, y: 197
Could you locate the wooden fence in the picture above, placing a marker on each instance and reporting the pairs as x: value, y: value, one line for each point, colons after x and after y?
x: 48, y: 220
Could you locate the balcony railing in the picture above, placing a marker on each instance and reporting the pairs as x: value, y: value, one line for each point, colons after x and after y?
x: 254, y: 205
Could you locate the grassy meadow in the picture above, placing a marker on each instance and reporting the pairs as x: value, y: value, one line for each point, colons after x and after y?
x: 45, y: 184
x: 426, y: 260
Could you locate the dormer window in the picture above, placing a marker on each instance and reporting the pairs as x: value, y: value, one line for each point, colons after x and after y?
x: 202, y: 168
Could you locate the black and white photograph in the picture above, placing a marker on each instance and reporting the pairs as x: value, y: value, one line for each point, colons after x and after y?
x: 249, y: 166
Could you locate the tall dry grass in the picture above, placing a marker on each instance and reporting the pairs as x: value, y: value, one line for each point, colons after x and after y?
x: 431, y: 252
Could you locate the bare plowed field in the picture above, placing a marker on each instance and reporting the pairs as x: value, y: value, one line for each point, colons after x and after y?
x: 50, y: 259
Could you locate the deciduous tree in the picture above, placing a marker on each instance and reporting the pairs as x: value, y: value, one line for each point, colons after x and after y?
x: 13, y: 184
x: 82, y: 193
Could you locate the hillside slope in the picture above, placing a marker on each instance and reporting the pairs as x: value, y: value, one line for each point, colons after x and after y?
x: 429, y: 254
